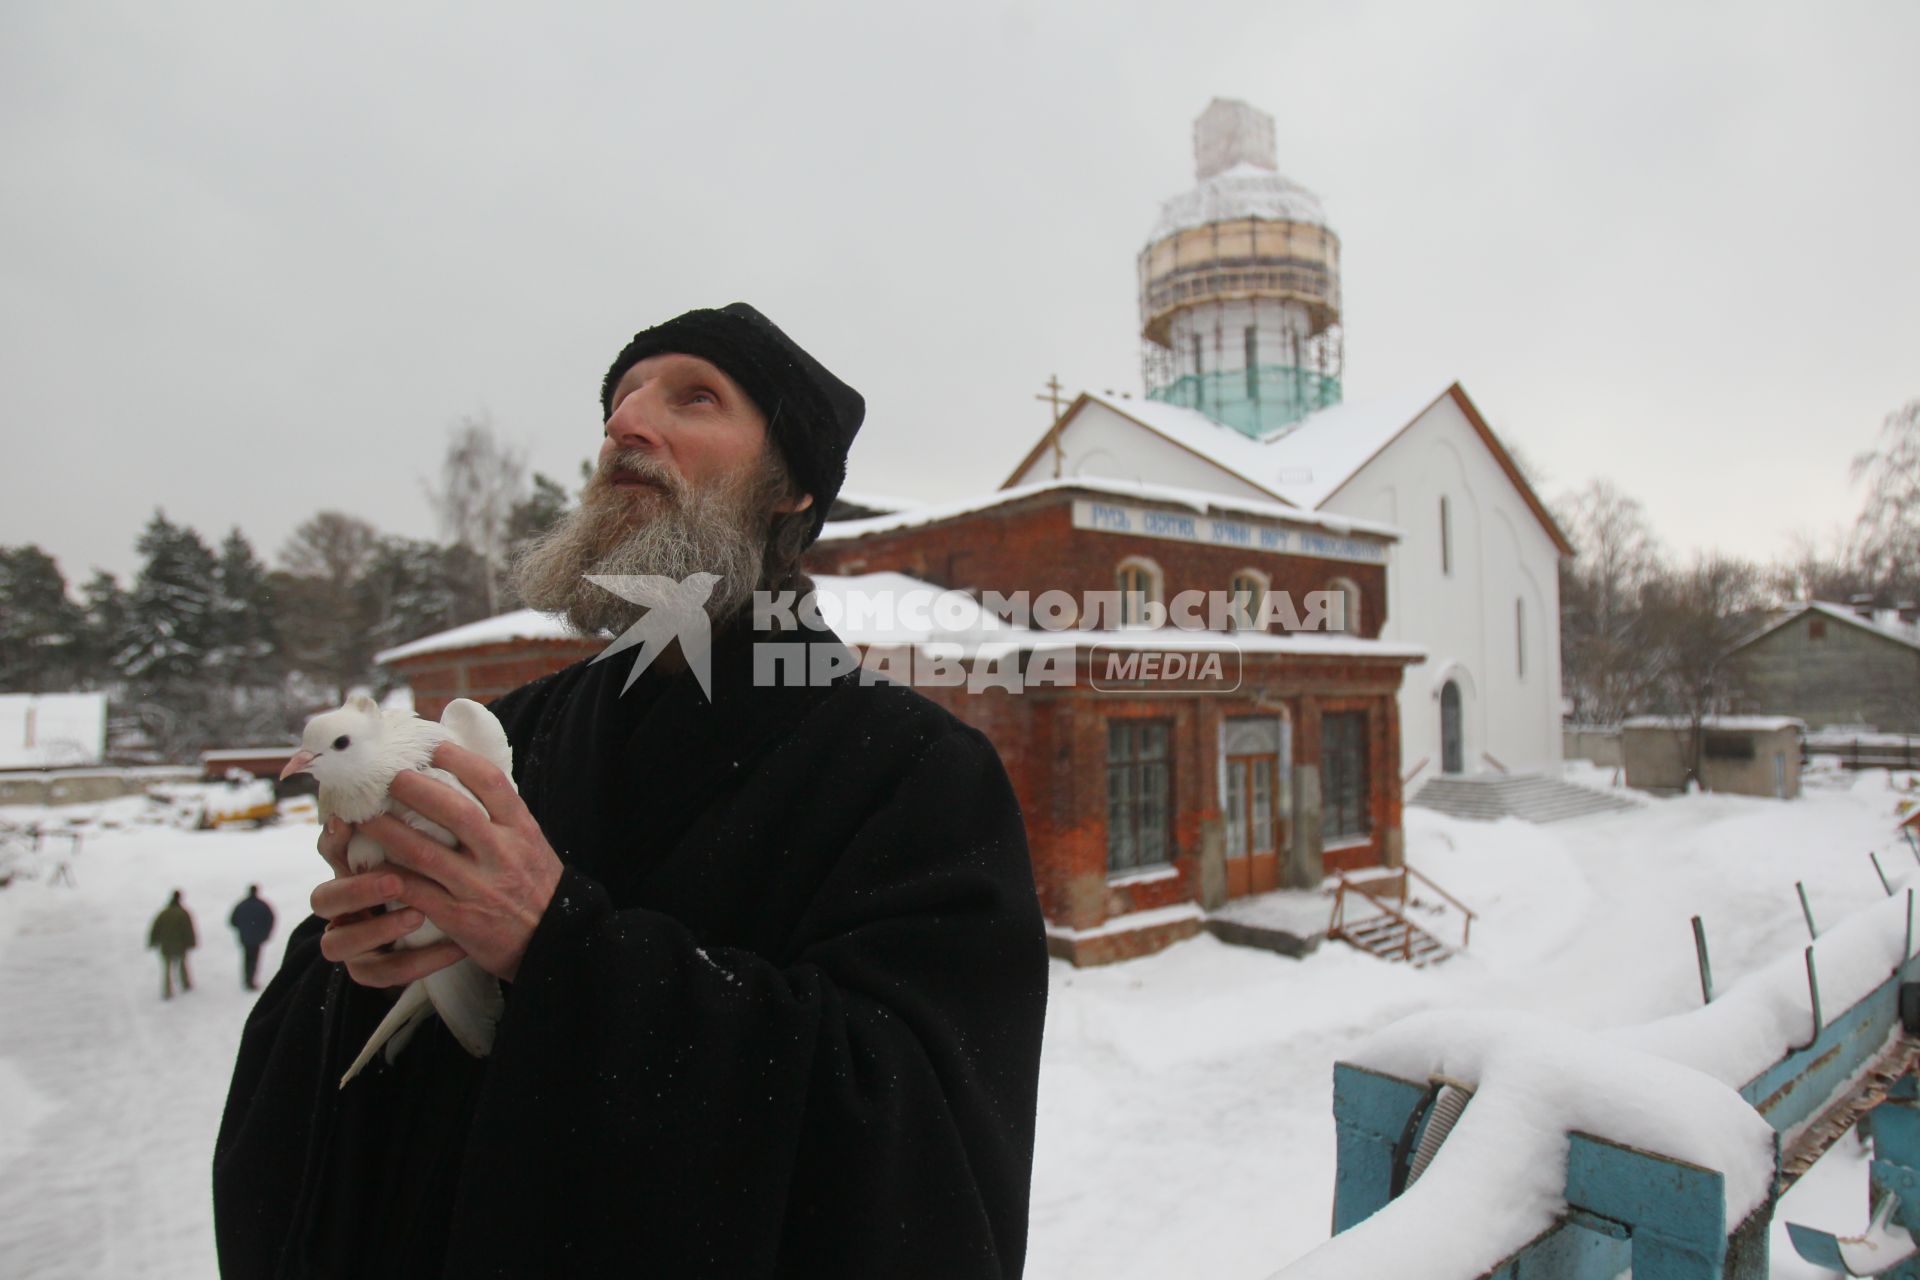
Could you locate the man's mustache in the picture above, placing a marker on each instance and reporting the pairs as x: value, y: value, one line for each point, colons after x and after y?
x: 639, y: 464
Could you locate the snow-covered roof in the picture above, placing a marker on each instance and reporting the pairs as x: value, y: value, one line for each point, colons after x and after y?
x: 1736, y: 724
x: 1306, y: 463
x: 1885, y: 623
x: 44, y: 730
x: 876, y: 501
x: 1197, y: 499
x: 1302, y: 464
x: 1244, y: 191
x: 521, y: 624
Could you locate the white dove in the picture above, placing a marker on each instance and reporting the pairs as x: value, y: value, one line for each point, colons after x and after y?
x: 355, y: 752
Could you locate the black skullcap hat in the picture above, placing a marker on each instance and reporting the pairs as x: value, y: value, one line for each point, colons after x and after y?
x: 811, y: 415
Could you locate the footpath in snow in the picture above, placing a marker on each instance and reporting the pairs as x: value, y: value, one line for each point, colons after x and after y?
x: 1185, y: 1099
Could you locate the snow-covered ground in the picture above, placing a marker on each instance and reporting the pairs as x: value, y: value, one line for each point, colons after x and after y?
x: 1185, y: 1104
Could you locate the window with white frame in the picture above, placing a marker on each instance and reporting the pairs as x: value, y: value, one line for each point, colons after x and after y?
x: 1139, y: 794
x: 1348, y: 592
x: 1140, y: 584
x: 1446, y: 536
x: 1248, y: 590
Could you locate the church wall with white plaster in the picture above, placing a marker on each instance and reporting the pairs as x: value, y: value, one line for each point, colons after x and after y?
x: 1465, y: 618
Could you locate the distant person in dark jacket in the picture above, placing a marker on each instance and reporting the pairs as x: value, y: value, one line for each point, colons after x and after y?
x: 172, y: 933
x: 252, y: 919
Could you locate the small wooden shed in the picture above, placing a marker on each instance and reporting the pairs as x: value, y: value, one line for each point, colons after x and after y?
x: 1740, y: 755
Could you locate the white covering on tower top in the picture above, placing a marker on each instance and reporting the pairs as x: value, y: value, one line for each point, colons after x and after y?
x: 1238, y: 174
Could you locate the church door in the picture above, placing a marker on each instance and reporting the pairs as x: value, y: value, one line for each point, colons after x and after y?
x: 1451, y: 751
x: 1255, y: 760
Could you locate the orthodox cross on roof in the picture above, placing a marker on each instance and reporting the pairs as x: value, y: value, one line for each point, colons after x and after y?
x: 1053, y: 396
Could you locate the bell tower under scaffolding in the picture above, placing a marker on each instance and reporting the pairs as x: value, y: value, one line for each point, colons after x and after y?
x: 1240, y: 285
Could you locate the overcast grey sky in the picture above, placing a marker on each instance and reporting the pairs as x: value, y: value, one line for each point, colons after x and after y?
x: 258, y: 259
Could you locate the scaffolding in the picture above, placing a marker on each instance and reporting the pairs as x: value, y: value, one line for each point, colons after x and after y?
x: 1239, y: 289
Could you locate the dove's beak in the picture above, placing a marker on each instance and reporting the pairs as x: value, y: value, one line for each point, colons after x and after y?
x: 302, y: 760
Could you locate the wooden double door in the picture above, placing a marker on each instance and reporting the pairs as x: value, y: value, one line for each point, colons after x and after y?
x: 1256, y: 766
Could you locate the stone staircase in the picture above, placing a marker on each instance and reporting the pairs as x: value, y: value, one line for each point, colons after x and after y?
x: 1531, y: 797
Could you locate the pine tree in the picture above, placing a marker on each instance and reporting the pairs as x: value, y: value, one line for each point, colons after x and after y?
x: 411, y: 589
x: 103, y: 610
x: 244, y: 650
x: 171, y: 612
x: 40, y: 628
x: 167, y: 634
x: 536, y: 513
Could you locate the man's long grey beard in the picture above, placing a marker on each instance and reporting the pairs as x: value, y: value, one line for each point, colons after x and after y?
x: 719, y: 530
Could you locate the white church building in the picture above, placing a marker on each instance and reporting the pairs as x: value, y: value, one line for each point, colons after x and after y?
x: 1240, y: 313
x: 1473, y: 580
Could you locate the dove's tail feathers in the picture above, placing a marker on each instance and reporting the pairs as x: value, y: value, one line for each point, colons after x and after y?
x: 478, y: 730
x: 469, y: 1001
x: 413, y: 1005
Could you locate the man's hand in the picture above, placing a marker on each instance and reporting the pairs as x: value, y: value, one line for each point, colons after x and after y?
x: 489, y: 892
x: 358, y: 933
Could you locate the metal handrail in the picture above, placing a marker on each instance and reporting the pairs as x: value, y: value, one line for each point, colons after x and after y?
x: 1414, y: 772
x: 1471, y: 915
x: 1336, y: 926
x: 1385, y: 900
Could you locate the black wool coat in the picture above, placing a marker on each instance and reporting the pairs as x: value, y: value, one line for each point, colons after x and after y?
x: 782, y: 1017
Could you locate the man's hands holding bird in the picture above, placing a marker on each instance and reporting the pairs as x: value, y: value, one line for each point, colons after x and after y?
x: 488, y: 893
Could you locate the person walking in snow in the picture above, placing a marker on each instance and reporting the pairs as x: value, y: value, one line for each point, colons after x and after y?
x: 252, y: 919
x: 172, y: 933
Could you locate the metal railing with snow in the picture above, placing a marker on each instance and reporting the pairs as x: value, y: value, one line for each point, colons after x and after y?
x: 1502, y: 1146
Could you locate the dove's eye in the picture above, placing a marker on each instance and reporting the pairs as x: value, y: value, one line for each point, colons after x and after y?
x: 342, y: 742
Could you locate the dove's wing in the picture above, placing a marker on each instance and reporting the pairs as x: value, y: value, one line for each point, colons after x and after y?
x: 472, y: 726
x: 468, y: 1000
x: 413, y: 1005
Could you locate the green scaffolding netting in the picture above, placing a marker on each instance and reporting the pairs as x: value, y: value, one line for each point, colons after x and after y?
x: 1273, y: 397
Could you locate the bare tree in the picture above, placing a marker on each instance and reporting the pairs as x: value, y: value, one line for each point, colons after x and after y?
x: 1692, y: 618
x: 1601, y: 635
x: 1811, y: 570
x: 324, y: 627
x: 1887, y: 537
x: 482, y: 480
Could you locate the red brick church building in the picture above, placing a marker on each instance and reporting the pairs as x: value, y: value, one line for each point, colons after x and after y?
x: 1163, y: 771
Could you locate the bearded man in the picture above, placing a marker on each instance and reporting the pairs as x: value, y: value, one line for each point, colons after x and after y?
x: 775, y: 971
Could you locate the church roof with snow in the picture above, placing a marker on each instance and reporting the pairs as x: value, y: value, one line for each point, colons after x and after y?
x: 1305, y: 463
x: 1198, y: 499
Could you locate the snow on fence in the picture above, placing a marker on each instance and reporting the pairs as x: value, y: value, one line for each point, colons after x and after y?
x: 1662, y: 1146
x: 1867, y: 750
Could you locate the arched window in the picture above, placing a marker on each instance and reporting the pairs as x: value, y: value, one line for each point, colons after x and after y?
x: 1140, y: 583
x: 1519, y: 636
x: 1248, y: 591
x: 1349, y: 592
